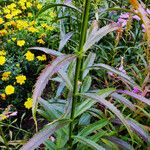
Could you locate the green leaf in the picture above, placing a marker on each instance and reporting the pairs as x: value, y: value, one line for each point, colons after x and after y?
x: 88, y: 103
x: 109, y: 105
x: 41, y: 136
x: 50, y: 5
x: 88, y: 63
x: 86, y: 84
x: 93, y: 127
x: 98, y: 34
x: 88, y: 142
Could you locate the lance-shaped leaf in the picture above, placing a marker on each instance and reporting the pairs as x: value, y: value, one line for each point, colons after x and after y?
x: 44, y: 134
x: 88, y: 142
x: 109, y: 105
x: 88, y: 63
x: 47, y: 51
x: 111, y: 69
x: 122, y: 144
x: 64, y: 40
x: 93, y: 127
x: 51, y: 5
x: 123, y: 100
x: 99, y: 34
x: 136, y: 129
x: 136, y: 96
x: 66, y: 79
x: 44, y: 77
x: 88, y: 103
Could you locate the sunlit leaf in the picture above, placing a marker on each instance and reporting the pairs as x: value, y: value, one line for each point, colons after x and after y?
x: 99, y: 34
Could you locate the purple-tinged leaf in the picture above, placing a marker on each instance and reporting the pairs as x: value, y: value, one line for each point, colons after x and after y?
x: 136, y: 96
x: 122, y: 144
x: 44, y: 134
x: 109, y: 105
x: 123, y: 100
x: 44, y: 77
x: 136, y: 129
x: 113, y: 70
x: 64, y: 40
x: 99, y: 34
x: 47, y: 51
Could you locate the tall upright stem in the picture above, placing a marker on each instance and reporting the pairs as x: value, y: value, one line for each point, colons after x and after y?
x: 83, y: 31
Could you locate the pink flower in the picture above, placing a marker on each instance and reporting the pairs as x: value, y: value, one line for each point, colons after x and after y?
x: 136, y: 17
x: 124, y: 16
x: 148, y: 11
x: 122, y: 22
x: 122, y: 69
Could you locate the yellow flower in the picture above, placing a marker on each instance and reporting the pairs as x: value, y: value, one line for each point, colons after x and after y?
x: 13, y: 39
x: 6, y: 75
x: 9, y: 16
x: 28, y: 4
x: 41, y: 58
x: 28, y: 103
x: 21, y: 24
x: 3, y: 32
x: 20, y: 43
x: 32, y: 29
x: 2, y: 52
x: 40, y: 41
x: 18, y: 65
x: 30, y: 14
x: 1, y: 20
x: 6, y: 10
x: 2, y: 117
x: 21, y: 79
x: 9, y: 89
x: 39, y: 6
x: 29, y: 56
x: 3, y: 96
x: 2, y: 60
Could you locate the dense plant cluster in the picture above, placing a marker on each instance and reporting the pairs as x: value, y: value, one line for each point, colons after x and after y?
x: 82, y: 67
x: 19, y: 30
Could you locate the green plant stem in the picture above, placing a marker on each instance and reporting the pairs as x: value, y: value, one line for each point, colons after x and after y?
x: 3, y: 136
x: 80, y: 52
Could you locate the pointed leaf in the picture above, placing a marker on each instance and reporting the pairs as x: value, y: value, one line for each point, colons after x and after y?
x: 111, y: 69
x: 123, y: 100
x: 66, y: 79
x: 136, y: 96
x: 93, y: 127
x: 51, y: 5
x: 109, y: 105
x: 47, y: 51
x: 64, y: 40
x: 45, y: 133
x: 88, y: 142
x: 99, y: 34
x: 121, y: 143
x: 88, y: 63
x: 43, y: 79
x: 88, y: 103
